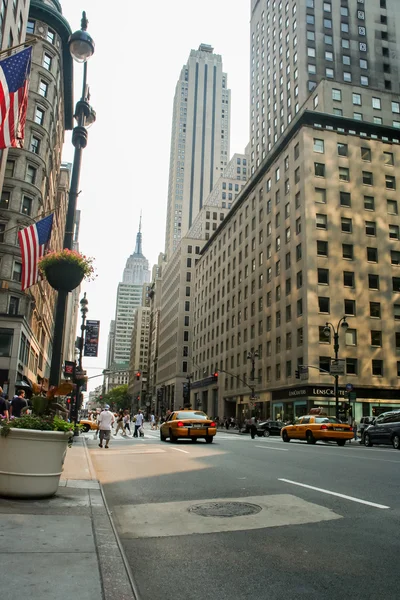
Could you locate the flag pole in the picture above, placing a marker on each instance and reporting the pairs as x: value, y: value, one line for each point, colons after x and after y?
x: 27, y: 42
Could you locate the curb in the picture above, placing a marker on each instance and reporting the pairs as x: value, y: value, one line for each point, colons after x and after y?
x: 116, y: 575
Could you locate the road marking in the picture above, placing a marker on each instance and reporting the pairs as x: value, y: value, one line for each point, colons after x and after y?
x: 311, y: 487
x: 180, y: 450
x: 272, y: 448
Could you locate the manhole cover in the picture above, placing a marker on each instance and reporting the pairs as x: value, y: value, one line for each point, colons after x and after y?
x: 225, y: 509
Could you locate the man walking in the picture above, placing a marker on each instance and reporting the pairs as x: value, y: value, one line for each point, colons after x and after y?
x: 106, y: 419
x: 18, y: 404
x: 138, y: 423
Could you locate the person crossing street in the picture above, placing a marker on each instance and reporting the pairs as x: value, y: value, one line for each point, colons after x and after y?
x: 106, y: 419
x: 138, y: 423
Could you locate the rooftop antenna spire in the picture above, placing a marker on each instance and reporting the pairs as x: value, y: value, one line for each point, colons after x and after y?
x: 138, y: 249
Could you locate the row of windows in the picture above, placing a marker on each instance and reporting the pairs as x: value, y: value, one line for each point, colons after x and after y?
x: 344, y: 175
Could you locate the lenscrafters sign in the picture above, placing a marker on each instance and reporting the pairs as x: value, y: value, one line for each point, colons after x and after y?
x: 328, y: 391
x: 92, y: 338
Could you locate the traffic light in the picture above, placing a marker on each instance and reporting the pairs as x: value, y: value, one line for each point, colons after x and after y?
x: 186, y: 394
x: 297, y: 373
x: 215, y: 376
x: 159, y: 393
x: 138, y: 376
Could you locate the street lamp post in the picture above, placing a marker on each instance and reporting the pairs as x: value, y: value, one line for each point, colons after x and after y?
x: 327, y: 331
x: 252, y: 356
x: 186, y: 398
x: 81, y: 46
x: 79, y: 374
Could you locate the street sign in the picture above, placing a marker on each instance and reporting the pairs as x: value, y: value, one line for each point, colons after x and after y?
x: 349, y: 387
x: 352, y: 396
x: 92, y: 338
x: 337, y: 367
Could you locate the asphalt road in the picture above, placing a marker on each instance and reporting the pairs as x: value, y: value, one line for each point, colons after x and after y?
x: 327, y: 525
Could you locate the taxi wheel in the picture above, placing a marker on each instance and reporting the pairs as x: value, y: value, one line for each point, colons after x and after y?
x: 341, y: 442
x: 209, y: 439
x: 86, y: 427
x: 162, y: 437
x: 194, y: 439
x: 367, y: 440
x: 266, y: 433
x: 285, y: 437
x: 172, y: 438
x: 310, y: 438
x: 396, y: 442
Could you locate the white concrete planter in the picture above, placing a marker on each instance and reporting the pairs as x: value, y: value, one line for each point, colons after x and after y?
x: 31, y: 462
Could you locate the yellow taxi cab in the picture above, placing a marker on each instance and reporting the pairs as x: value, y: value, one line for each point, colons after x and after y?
x: 318, y: 426
x: 88, y: 424
x: 189, y: 424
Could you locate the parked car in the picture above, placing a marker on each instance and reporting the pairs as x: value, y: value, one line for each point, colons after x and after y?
x: 267, y: 428
x: 384, y: 430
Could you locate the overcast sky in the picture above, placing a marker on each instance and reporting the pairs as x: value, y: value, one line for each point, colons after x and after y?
x: 140, y: 50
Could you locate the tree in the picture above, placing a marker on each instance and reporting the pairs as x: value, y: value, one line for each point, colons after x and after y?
x: 118, y: 398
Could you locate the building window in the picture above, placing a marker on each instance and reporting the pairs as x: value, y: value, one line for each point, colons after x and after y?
x: 323, y: 276
x: 13, y: 306
x: 30, y: 27
x: 39, y: 115
x: 394, y: 232
x: 390, y: 182
x: 351, y: 337
x: 320, y: 195
x: 367, y: 178
x: 348, y: 279
x: 351, y: 366
x: 337, y: 95
x: 35, y: 144
x: 6, y: 341
x: 323, y: 305
x: 27, y: 205
x: 377, y: 368
x: 17, y: 272
x: 395, y: 257
x: 350, y: 307
x: 372, y: 255
x: 342, y: 149
x: 388, y: 158
x: 43, y: 88
x: 375, y: 310
x: 344, y: 174
x: 50, y: 36
x: 345, y: 199
x: 318, y: 146
x: 31, y: 174
x: 10, y: 167
x: 319, y: 169
x: 357, y: 99
x: 370, y: 228
x: 5, y: 199
x: 322, y: 248
x: 47, y: 60
x: 346, y: 225
x: 347, y: 251
x: 373, y: 281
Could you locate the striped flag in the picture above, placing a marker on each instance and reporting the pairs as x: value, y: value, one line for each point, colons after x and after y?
x: 33, y: 240
x: 14, y: 83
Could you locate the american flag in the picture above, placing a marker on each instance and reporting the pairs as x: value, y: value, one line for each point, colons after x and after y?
x: 33, y: 240
x: 14, y: 83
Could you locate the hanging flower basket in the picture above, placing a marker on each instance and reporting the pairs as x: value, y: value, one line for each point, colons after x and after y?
x: 65, y: 270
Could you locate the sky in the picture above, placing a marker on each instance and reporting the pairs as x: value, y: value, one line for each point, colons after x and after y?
x: 140, y: 50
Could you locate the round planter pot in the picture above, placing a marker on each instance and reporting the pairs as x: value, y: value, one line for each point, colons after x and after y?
x: 31, y: 462
x: 64, y: 276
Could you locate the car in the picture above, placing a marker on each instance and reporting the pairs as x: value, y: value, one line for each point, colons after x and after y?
x: 88, y: 425
x: 384, y: 430
x: 312, y: 428
x: 189, y: 424
x: 267, y: 428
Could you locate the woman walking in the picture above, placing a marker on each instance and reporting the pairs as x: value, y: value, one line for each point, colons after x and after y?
x: 127, y: 423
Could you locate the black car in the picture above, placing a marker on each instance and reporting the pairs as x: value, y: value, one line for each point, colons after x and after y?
x: 268, y: 428
x: 384, y: 430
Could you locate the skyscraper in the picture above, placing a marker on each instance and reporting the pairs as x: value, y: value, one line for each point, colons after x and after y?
x: 312, y: 242
x: 129, y: 297
x: 296, y: 44
x: 199, y: 140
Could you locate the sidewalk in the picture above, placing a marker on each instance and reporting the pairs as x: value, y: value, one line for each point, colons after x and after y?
x: 65, y: 546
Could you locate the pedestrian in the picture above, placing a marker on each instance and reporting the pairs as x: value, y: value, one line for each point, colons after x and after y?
x: 18, y: 404
x: 106, y: 419
x: 227, y: 424
x: 156, y: 421
x: 354, y: 425
x: 138, y: 423
x: 127, y: 423
x: 253, y: 428
x: 120, y: 423
x: 4, y: 405
x: 152, y: 420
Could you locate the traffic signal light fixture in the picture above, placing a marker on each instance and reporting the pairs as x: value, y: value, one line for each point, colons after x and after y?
x: 138, y: 376
x: 297, y: 373
x: 215, y: 376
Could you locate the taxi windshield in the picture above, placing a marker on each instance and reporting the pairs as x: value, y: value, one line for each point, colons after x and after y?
x: 188, y: 414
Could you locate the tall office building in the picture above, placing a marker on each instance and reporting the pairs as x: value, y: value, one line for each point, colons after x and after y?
x: 297, y: 43
x: 315, y: 235
x: 33, y: 184
x: 129, y: 297
x: 199, y: 140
